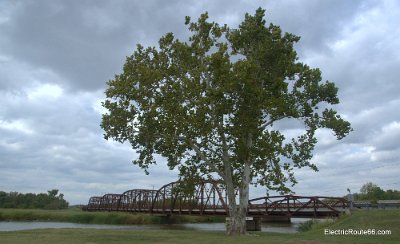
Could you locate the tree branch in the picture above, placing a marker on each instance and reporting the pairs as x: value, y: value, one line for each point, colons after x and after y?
x: 270, y: 122
x: 205, y: 159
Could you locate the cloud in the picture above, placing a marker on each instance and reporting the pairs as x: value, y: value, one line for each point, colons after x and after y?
x: 363, y: 58
x: 55, y: 57
x: 17, y: 125
x: 54, y: 141
x: 87, y: 42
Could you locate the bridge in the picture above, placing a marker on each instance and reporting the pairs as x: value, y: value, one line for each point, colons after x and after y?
x: 210, y: 198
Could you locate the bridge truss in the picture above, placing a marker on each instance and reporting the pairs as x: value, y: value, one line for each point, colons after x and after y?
x: 210, y: 198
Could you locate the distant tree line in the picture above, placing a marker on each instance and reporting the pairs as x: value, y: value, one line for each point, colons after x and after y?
x: 373, y: 192
x: 51, y: 200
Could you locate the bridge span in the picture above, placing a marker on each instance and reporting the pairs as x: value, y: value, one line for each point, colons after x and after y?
x: 210, y: 198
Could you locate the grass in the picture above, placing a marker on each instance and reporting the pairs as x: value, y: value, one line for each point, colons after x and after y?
x: 377, y: 219
x: 79, y: 216
x: 360, y: 220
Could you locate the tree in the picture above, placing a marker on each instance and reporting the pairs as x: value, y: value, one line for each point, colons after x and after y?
x: 371, y: 191
x: 52, y: 193
x: 211, y: 105
x: 392, y: 194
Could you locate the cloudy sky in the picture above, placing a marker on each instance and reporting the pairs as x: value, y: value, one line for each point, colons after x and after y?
x: 56, y: 56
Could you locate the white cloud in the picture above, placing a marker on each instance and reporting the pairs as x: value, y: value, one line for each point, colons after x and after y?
x: 16, y: 125
x: 387, y: 137
x: 96, y: 105
x: 45, y: 92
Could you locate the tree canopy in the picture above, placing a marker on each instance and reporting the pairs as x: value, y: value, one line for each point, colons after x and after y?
x: 51, y: 200
x: 210, y: 105
x: 372, y: 192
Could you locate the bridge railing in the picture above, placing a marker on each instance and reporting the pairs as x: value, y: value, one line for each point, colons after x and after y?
x: 110, y: 202
x: 207, y: 196
x: 93, y: 204
x: 290, y: 205
x: 136, y: 200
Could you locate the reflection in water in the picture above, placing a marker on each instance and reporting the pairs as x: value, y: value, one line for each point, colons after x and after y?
x: 266, y: 227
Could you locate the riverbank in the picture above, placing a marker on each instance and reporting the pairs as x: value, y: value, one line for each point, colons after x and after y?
x: 75, y: 215
x: 362, y: 226
x: 364, y: 220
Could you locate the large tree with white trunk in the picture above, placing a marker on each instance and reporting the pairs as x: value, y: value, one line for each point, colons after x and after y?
x: 210, y: 105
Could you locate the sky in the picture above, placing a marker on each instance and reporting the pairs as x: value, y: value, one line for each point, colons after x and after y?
x: 56, y: 57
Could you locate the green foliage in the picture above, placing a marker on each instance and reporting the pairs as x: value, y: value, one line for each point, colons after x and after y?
x: 210, y: 105
x: 307, y: 225
x: 32, y: 201
x: 77, y: 216
x: 372, y: 192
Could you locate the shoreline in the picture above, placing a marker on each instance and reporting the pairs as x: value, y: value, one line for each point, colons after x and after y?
x: 75, y: 215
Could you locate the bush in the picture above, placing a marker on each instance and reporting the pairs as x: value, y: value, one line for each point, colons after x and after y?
x: 307, y: 225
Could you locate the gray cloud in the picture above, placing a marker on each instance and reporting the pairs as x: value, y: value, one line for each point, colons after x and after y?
x: 56, y: 142
x: 55, y: 57
x: 87, y: 42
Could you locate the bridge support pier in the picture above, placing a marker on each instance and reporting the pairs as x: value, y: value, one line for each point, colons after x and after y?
x: 253, y: 223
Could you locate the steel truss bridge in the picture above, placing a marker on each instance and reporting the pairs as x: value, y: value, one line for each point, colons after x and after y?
x: 210, y: 198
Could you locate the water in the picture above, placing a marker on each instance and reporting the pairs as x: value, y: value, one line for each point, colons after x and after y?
x: 283, y: 227
x: 266, y: 227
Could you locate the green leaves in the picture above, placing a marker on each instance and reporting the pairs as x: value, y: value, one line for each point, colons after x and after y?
x: 209, y: 105
x: 333, y: 121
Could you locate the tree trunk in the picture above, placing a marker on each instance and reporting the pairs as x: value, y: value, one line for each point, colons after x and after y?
x: 236, y: 225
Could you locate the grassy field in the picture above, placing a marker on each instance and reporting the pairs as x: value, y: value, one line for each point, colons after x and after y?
x: 374, y: 219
